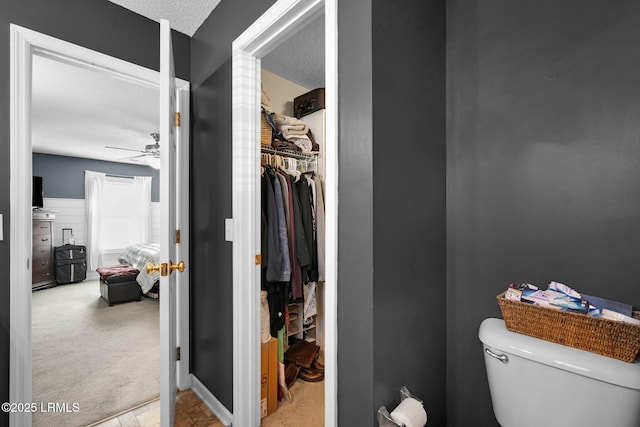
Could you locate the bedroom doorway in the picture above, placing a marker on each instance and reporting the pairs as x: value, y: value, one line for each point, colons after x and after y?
x: 25, y: 45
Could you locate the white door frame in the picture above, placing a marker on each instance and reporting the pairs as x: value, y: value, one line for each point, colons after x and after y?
x: 24, y: 44
x: 281, y: 21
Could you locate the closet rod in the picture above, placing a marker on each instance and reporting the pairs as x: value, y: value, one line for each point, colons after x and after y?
x: 289, y: 153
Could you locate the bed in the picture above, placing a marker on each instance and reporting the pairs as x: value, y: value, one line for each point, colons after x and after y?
x: 139, y: 256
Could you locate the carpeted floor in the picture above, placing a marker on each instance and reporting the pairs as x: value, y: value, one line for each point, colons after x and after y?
x: 306, y: 407
x: 105, y: 359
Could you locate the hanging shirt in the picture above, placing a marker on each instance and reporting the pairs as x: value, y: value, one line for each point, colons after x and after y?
x: 320, y: 229
x: 302, y: 249
x: 296, y: 271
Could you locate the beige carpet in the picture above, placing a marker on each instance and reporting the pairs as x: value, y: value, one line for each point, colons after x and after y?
x: 105, y: 359
x: 306, y: 408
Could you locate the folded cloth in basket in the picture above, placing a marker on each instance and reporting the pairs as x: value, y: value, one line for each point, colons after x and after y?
x: 603, y: 303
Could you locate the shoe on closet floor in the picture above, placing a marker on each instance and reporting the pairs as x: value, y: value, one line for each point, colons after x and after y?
x: 317, y: 365
x: 302, y: 353
x: 291, y: 371
x: 311, y: 375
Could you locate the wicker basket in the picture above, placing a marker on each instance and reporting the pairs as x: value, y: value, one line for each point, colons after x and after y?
x: 606, y: 337
x: 266, y: 131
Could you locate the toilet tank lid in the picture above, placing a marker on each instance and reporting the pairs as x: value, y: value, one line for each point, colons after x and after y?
x: 493, y: 333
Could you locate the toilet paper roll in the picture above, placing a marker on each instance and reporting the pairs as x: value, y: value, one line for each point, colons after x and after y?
x: 410, y: 412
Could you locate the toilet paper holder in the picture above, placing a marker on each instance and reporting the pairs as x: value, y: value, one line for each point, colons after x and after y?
x: 384, y: 419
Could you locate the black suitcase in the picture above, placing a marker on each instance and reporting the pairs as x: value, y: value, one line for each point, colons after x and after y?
x: 70, y: 263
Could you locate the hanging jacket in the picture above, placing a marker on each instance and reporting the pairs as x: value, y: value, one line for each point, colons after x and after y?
x: 310, y: 270
x: 274, y: 263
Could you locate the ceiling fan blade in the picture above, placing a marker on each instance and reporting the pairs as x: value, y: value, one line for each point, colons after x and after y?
x: 134, y: 157
x: 126, y: 149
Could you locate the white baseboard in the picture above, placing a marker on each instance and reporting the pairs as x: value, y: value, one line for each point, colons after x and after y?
x: 210, y: 400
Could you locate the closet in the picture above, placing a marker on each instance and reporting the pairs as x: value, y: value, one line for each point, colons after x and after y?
x: 292, y: 216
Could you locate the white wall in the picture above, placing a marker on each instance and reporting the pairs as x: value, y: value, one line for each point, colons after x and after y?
x: 70, y: 213
x: 281, y: 92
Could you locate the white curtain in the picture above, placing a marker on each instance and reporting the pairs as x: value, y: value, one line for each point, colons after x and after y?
x: 144, y: 185
x: 93, y: 191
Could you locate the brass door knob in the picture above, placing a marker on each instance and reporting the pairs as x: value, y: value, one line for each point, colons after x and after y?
x: 179, y: 266
x: 162, y: 268
x: 151, y: 268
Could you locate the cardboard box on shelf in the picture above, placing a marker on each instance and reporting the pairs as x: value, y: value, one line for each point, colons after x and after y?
x: 268, y: 377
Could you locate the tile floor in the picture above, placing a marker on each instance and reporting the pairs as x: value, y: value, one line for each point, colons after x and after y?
x: 190, y: 412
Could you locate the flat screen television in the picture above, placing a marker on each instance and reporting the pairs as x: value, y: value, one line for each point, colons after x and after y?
x: 37, y: 200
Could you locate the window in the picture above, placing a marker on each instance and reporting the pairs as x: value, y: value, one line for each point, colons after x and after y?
x: 126, y: 212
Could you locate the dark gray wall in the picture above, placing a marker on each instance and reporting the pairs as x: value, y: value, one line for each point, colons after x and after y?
x: 211, y: 44
x: 98, y: 25
x: 409, y: 216
x: 356, y: 380
x: 543, y: 164
x: 382, y: 247
x: 63, y: 177
x: 211, y: 270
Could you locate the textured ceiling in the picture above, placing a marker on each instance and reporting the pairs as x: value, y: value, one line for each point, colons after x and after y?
x: 76, y: 112
x: 184, y: 16
x: 301, y: 57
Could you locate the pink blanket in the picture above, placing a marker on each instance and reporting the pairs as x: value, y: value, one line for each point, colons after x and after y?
x: 117, y: 270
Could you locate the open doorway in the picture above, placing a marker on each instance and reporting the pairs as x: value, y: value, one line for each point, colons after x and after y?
x: 276, y: 25
x: 25, y: 46
x: 294, y: 148
x: 95, y: 343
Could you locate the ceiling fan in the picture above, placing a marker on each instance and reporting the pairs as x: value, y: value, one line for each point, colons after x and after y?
x: 150, y: 154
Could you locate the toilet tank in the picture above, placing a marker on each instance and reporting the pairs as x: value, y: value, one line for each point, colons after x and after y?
x: 537, y: 383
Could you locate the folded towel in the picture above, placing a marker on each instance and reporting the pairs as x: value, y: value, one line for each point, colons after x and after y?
x: 282, y: 120
x: 300, y: 128
x: 291, y: 127
x: 295, y: 131
x: 303, y: 142
x: 294, y: 134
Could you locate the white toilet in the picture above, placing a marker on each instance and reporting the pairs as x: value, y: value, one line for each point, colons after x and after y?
x: 537, y: 383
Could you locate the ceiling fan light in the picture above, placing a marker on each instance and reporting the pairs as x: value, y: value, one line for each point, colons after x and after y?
x: 154, y: 162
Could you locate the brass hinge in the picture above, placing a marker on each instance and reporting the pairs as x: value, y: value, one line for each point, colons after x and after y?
x: 177, y: 236
x: 177, y: 353
x: 177, y: 119
x: 259, y: 259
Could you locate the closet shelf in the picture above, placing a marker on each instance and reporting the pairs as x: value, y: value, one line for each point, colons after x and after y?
x: 290, y: 153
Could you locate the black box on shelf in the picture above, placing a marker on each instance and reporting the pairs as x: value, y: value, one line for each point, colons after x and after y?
x: 308, y: 103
